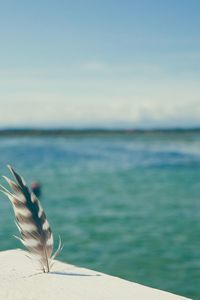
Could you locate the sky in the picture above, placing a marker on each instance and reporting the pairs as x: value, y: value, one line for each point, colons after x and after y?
x: 108, y: 63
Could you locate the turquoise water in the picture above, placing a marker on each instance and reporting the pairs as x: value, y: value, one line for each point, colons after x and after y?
x: 127, y: 205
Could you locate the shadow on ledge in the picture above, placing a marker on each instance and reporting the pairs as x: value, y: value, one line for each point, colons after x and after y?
x: 71, y: 274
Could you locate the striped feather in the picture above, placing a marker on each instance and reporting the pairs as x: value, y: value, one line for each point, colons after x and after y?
x: 36, y: 234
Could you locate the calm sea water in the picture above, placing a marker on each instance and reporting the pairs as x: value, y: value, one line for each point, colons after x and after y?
x: 125, y: 205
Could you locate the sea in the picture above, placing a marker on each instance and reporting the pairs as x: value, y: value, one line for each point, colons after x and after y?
x: 127, y: 204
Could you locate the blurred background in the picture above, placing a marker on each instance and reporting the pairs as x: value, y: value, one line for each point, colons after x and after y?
x: 100, y: 103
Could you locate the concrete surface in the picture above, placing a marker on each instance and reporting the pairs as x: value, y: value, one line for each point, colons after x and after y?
x: 20, y: 280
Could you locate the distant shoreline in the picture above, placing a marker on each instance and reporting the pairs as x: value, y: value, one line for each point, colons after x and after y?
x: 90, y: 131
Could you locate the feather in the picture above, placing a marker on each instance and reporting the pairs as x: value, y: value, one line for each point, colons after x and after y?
x: 36, y: 234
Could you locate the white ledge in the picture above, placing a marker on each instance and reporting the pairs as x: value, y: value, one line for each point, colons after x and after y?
x: 20, y: 280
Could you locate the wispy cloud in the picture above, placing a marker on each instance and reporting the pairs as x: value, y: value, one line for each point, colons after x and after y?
x: 95, y: 66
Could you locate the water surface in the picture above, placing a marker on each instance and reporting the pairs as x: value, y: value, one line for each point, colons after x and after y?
x: 127, y: 205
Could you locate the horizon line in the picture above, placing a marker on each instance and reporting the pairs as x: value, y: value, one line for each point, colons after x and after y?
x: 95, y: 129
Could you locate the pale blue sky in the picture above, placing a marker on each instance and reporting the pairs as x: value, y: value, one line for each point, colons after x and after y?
x: 100, y: 63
